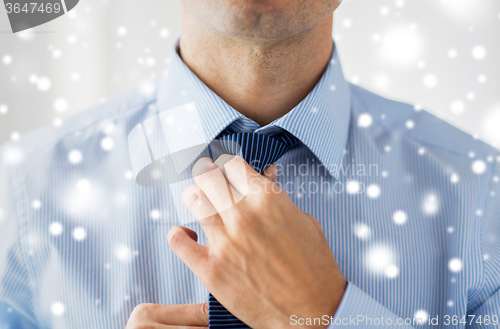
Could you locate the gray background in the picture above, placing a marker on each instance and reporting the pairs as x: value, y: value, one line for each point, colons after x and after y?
x: 439, y: 54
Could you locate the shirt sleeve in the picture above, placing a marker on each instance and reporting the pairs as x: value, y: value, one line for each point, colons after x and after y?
x: 360, y: 310
x: 16, y: 299
x: 485, y: 309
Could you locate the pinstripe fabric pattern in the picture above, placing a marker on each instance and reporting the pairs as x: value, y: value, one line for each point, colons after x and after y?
x: 220, y: 318
x: 259, y: 151
x: 409, y: 206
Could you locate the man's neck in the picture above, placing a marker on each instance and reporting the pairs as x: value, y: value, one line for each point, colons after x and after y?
x: 262, y: 80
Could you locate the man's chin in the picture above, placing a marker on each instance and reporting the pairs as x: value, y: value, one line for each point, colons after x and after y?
x: 255, y: 21
x: 261, y: 21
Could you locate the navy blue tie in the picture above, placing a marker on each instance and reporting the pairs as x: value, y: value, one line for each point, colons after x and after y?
x: 259, y: 151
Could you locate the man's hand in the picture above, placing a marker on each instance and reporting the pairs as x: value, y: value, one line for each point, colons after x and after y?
x: 265, y: 259
x: 168, y: 316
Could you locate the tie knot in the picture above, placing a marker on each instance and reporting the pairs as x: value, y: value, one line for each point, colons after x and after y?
x: 258, y: 150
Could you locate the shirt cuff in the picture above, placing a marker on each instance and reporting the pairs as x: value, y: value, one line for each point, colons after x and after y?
x: 358, y: 309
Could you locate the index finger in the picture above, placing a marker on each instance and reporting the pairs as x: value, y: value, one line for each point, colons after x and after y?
x: 210, y: 179
x: 244, y: 178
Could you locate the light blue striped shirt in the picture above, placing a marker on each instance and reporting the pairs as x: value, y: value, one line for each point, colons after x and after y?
x: 409, y: 205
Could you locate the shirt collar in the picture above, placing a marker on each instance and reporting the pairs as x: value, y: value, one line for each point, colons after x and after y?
x: 320, y: 121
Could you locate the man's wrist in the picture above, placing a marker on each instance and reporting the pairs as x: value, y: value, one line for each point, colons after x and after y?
x: 342, y: 287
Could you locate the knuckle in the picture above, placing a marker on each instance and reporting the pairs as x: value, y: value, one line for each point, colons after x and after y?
x: 200, y: 311
x: 212, y: 272
x: 242, y: 219
x: 243, y: 224
x: 262, y: 200
x: 192, y: 196
x: 205, y: 310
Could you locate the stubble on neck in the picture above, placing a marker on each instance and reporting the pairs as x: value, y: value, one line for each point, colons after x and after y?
x: 262, y: 79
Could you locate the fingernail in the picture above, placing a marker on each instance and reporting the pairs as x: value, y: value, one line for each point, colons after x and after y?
x: 223, y: 159
x: 203, y: 166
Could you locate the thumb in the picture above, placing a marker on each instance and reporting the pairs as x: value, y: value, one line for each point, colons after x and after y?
x: 184, y: 245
